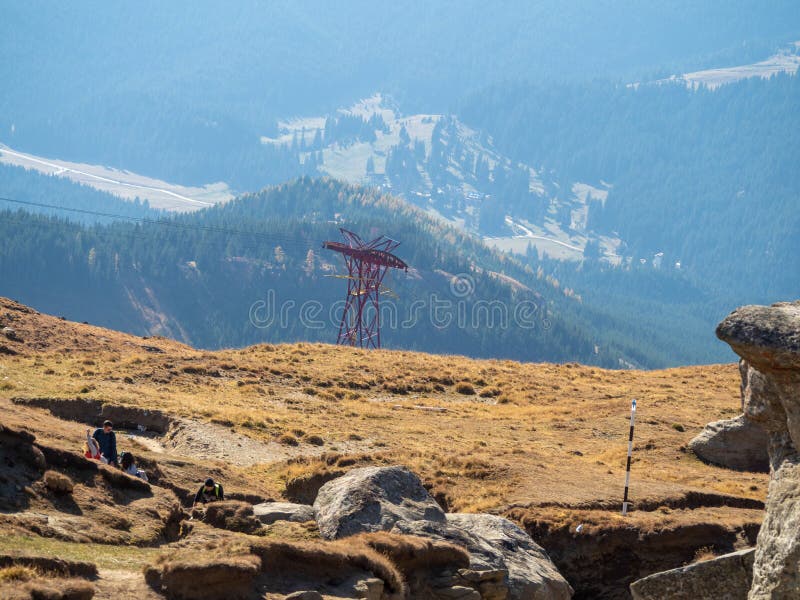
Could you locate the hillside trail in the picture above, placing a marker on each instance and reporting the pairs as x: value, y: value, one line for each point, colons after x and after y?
x: 189, y: 437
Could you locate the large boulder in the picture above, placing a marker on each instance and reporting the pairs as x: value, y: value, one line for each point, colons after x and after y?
x: 768, y: 338
x: 505, y: 563
x: 496, y: 545
x: 269, y: 512
x: 726, y: 577
x: 738, y: 444
x: 373, y: 499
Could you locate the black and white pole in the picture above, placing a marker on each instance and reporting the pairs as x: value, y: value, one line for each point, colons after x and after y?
x: 628, y: 467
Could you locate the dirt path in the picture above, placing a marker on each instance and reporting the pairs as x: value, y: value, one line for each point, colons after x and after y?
x: 197, y: 439
x: 123, y: 585
x: 182, y: 437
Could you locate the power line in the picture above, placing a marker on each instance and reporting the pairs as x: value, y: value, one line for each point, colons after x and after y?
x: 277, y: 237
x: 141, y: 219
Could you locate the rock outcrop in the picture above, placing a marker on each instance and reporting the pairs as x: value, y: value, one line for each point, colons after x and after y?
x: 737, y: 443
x: 726, y: 577
x: 373, y: 499
x: 505, y: 563
x: 497, y: 545
x: 768, y: 338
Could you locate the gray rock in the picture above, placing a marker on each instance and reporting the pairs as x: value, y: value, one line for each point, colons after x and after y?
x: 776, y: 574
x: 305, y: 595
x: 393, y: 499
x: 458, y: 592
x: 768, y: 338
x: 738, y: 444
x: 269, y: 512
x: 492, y: 585
x: 497, y: 545
x: 373, y: 499
x: 762, y: 404
x: 369, y: 589
x: 726, y: 577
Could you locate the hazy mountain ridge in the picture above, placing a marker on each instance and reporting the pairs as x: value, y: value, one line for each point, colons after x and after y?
x: 188, y: 99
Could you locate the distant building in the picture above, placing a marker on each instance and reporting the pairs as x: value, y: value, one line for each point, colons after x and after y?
x: 657, y: 260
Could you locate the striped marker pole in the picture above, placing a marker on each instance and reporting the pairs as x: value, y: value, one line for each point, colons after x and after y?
x: 628, y: 467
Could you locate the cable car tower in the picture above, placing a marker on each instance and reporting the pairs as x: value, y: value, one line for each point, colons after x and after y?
x: 367, y: 264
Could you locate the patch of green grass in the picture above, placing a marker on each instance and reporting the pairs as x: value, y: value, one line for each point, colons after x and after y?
x: 105, y: 556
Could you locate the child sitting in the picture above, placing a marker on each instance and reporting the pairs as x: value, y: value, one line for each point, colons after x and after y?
x: 128, y: 464
x: 92, y: 449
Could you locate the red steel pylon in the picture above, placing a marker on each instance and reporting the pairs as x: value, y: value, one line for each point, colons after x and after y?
x: 367, y: 264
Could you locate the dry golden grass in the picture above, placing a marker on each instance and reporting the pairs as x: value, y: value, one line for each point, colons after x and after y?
x: 35, y: 578
x: 322, y: 559
x: 17, y: 573
x: 58, y: 482
x: 287, y: 562
x: 410, y: 553
x: 663, y: 519
x: 530, y: 433
x: 48, y: 589
x: 703, y: 554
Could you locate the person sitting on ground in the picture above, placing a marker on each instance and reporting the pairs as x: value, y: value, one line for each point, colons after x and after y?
x: 208, y: 492
x: 91, y: 449
x: 128, y: 464
x: 107, y: 440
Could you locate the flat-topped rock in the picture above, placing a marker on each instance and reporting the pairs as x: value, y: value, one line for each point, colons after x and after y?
x: 768, y: 337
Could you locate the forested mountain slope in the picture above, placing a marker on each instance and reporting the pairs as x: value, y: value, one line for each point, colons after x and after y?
x: 244, y: 272
x: 707, y: 177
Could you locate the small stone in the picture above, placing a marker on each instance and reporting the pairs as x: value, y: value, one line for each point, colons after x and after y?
x: 477, y: 576
x: 458, y: 592
x: 305, y: 595
x: 369, y: 589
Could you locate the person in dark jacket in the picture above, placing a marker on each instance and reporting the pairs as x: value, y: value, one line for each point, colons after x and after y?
x: 209, y: 492
x: 107, y: 440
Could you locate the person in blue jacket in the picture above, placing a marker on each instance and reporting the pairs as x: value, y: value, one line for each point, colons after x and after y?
x: 107, y: 440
